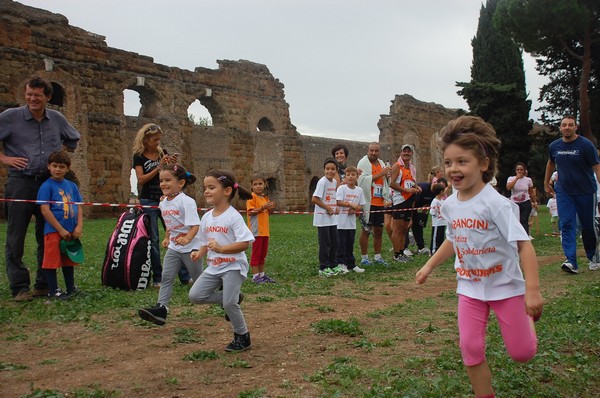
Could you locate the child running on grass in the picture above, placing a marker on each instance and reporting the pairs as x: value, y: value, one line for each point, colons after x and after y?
x: 350, y: 200
x: 324, y: 219
x: 485, y: 233
x: 182, y: 221
x: 224, y: 238
x: 258, y: 209
x: 64, y: 221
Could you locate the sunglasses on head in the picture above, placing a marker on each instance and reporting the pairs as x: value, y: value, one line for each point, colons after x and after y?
x: 152, y: 128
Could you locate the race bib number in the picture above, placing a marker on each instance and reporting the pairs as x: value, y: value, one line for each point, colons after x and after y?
x: 409, y: 184
x: 377, y: 190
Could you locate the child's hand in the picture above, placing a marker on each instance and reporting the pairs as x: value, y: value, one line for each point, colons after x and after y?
x: 165, y: 243
x: 77, y: 232
x: 214, y: 246
x: 65, y: 234
x: 195, y: 255
x: 533, y: 303
x: 329, y: 210
x: 422, y: 274
x: 182, y: 240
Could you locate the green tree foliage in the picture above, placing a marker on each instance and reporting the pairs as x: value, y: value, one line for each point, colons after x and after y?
x: 547, y: 27
x: 497, y: 93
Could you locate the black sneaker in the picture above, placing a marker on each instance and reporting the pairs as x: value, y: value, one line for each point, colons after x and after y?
x: 240, y: 299
x: 240, y: 342
x: 58, y: 295
x: 156, y: 314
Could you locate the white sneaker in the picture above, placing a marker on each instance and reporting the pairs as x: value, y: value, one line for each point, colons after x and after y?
x: 568, y: 267
x: 358, y: 269
x: 424, y: 251
x: 407, y: 252
x: 343, y: 269
x: 531, y: 237
x: 594, y: 266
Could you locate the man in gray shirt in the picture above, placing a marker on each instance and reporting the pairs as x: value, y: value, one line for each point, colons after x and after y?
x: 29, y: 134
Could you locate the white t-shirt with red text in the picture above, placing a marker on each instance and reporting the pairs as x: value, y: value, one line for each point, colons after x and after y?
x: 180, y: 214
x: 520, y: 191
x: 484, y: 231
x: 325, y: 191
x: 437, y: 220
x: 355, y: 196
x: 226, y: 228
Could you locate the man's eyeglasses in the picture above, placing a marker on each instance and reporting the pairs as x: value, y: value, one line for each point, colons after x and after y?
x: 152, y: 129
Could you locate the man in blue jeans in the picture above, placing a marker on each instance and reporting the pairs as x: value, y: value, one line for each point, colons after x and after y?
x: 578, y: 166
x: 29, y: 134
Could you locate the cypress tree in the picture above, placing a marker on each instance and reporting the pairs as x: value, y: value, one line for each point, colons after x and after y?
x: 497, y: 93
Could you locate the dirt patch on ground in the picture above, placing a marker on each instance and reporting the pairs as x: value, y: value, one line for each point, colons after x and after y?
x: 141, y: 360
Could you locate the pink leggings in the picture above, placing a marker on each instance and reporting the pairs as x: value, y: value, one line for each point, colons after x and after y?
x: 515, y: 325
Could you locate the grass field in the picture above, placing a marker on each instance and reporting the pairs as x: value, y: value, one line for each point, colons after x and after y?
x: 361, y: 335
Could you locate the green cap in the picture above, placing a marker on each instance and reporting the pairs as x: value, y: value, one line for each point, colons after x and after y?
x: 73, y: 249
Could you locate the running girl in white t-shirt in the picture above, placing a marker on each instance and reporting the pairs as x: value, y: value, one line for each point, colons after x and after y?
x: 224, y: 238
x: 180, y: 214
x: 485, y: 234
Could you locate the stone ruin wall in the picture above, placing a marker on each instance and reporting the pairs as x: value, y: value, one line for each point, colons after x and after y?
x: 251, y: 131
x: 418, y: 123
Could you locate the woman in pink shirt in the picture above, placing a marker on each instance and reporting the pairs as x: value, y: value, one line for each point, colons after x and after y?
x: 522, y: 193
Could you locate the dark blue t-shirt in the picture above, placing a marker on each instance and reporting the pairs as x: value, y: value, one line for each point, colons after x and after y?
x: 574, y: 162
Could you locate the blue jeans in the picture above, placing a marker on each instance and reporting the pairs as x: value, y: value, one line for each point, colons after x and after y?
x: 570, y: 208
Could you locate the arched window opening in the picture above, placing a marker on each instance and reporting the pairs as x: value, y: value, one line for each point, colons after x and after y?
x: 58, y: 95
x: 131, y: 103
x: 265, y: 124
x: 199, y: 114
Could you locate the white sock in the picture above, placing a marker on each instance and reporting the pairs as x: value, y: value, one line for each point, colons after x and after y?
x: 364, y: 256
x: 377, y: 256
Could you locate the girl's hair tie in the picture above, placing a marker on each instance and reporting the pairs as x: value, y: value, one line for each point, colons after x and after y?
x: 235, y: 185
x: 175, y: 168
x: 221, y: 178
x: 187, y: 174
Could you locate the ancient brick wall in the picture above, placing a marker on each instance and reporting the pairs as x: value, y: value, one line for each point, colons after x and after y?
x: 242, y: 97
x: 418, y: 123
x: 252, y: 129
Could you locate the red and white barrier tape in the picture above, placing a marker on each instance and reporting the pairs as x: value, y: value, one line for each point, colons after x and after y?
x: 201, y: 209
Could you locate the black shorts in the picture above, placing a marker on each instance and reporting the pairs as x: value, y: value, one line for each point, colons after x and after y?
x: 376, y: 219
x: 400, y: 213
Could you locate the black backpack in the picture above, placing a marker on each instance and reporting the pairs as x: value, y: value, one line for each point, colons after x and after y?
x: 127, y: 261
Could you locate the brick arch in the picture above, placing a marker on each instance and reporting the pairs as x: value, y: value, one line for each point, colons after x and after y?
x: 150, y: 97
x: 212, y: 104
x: 265, y: 124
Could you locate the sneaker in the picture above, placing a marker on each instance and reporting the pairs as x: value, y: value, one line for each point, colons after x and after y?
x: 58, y: 295
x: 156, y: 314
x: 594, y: 266
x: 401, y: 258
x: 424, y: 251
x: 267, y: 279
x: 407, y: 252
x: 531, y: 237
x: 258, y: 279
x: 40, y: 292
x: 380, y: 261
x: 568, y: 267
x: 341, y: 269
x: 23, y: 296
x: 157, y: 285
x: 327, y: 272
x: 366, y: 262
x: 240, y: 342
x: 240, y: 299
x: 357, y: 269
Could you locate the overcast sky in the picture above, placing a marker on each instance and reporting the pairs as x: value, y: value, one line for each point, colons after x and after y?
x: 342, y: 61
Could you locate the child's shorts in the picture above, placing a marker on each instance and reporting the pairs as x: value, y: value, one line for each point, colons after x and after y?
x: 515, y: 324
x: 53, y: 258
